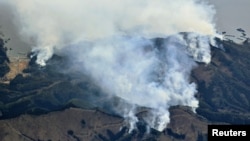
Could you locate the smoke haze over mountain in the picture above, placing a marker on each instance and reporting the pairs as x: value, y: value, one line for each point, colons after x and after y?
x: 112, y: 42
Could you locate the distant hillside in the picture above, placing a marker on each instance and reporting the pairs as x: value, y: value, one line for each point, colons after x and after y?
x: 224, y: 84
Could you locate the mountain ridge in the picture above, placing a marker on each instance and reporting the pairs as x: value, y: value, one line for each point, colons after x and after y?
x: 223, y: 94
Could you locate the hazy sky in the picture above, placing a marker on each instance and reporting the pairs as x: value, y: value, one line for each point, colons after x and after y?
x: 232, y: 14
x: 8, y: 28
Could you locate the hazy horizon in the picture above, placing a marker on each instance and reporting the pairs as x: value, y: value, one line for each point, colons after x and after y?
x: 230, y: 15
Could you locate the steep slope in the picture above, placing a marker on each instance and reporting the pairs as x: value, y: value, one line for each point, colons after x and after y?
x: 224, y: 85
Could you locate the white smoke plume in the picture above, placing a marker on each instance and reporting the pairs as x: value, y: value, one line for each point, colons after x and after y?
x: 141, y: 73
x: 111, y: 40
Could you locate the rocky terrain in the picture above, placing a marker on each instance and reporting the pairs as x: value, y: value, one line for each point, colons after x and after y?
x: 45, y: 104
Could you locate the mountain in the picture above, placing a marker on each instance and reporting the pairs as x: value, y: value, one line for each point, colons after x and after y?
x: 224, y: 84
x: 45, y: 103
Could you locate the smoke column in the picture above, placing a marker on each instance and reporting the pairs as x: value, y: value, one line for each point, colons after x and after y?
x: 112, y: 42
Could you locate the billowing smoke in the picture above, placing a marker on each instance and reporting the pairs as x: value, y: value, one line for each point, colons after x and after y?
x: 114, y: 42
x: 145, y: 74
